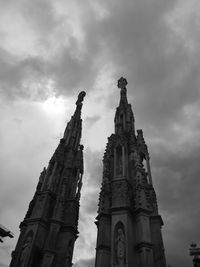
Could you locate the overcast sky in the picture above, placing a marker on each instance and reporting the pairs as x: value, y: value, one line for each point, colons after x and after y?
x: 50, y: 50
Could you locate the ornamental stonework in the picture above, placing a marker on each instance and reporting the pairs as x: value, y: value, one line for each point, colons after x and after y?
x: 120, y: 193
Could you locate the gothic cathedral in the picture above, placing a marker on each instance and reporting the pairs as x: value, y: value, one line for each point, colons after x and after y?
x: 128, y: 222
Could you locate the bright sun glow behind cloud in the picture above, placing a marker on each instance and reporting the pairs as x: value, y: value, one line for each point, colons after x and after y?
x: 55, y: 105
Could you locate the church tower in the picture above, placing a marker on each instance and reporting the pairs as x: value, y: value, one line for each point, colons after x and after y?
x: 49, y: 229
x: 128, y: 222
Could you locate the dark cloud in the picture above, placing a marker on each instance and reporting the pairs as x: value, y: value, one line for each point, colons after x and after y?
x: 138, y: 39
x: 62, y: 66
x: 17, y: 76
x: 177, y: 185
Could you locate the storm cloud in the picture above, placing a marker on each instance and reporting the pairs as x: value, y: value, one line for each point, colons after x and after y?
x: 51, y: 50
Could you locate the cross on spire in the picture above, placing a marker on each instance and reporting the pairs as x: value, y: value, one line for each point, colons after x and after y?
x: 122, y: 82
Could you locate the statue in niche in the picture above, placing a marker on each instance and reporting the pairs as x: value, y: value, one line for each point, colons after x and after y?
x: 120, y: 246
x: 26, y: 250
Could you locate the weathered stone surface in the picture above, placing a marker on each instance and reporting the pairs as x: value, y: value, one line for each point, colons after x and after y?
x: 127, y: 198
x: 49, y: 230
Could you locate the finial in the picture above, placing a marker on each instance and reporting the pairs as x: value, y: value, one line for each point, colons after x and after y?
x: 80, y: 97
x: 122, y: 82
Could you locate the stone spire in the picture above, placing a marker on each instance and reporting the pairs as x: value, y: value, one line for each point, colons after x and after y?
x: 72, y: 134
x: 122, y: 82
x: 128, y: 222
x: 124, y: 118
x: 50, y: 227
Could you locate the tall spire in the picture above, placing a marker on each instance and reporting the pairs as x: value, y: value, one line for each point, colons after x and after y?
x: 128, y: 222
x: 50, y: 227
x: 72, y: 134
x: 124, y: 118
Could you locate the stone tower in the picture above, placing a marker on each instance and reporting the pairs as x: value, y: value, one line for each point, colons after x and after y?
x: 128, y: 222
x: 49, y: 229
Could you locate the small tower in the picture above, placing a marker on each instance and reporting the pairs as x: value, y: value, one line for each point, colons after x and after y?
x: 49, y: 229
x: 128, y: 223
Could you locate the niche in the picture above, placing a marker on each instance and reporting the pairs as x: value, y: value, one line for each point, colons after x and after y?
x: 119, y: 245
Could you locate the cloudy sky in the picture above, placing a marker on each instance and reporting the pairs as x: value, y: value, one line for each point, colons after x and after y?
x: 49, y: 52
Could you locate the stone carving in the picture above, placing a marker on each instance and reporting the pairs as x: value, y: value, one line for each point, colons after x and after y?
x: 26, y: 250
x: 137, y: 159
x: 119, y: 245
x: 122, y: 82
x: 120, y: 240
x: 106, y: 169
x: 120, y: 193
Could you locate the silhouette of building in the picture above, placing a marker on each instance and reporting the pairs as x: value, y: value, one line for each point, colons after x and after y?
x: 49, y: 229
x: 4, y: 232
x: 128, y: 222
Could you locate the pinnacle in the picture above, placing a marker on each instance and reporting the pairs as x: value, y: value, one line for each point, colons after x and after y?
x: 80, y: 97
x: 122, y: 82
